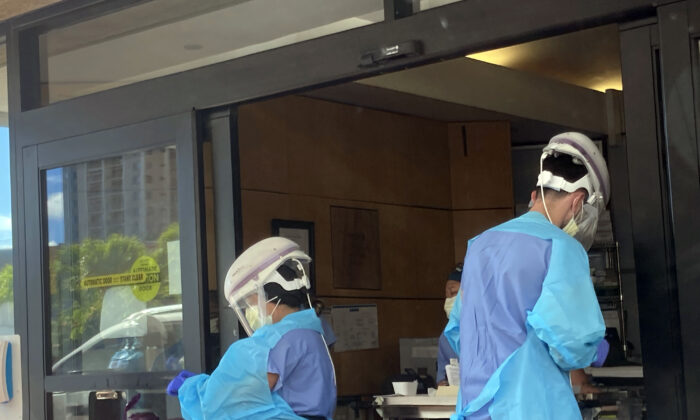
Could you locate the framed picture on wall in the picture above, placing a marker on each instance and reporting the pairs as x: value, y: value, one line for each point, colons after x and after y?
x: 303, y: 234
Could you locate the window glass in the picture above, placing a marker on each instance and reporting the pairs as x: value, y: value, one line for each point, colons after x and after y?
x: 168, y: 36
x: 114, y: 264
x: 7, y: 315
x: 431, y: 4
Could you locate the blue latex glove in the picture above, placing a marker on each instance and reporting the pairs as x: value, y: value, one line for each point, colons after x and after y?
x: 177, y: 382
x: 601, y: 353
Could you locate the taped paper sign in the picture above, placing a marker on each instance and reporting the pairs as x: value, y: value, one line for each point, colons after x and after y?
x: 144, y: 278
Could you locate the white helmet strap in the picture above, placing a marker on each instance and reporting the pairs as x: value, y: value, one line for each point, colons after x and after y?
x: 548, y: 180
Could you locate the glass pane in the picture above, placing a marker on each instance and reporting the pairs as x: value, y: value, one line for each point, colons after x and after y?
x: 113, y: 238
x: 141, y: 404
x: 7, y: 314
x: 168, y: 36
x: 430, y: 4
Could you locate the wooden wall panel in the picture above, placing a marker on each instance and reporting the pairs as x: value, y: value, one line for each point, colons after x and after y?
x: 416, y: 243
x: 364, y: 371
x: 480, y: 165
x: 300, y: 156
x: 307, y: 146
x: 355, y: 245
x: 469, y: 223
x: 263, y: 136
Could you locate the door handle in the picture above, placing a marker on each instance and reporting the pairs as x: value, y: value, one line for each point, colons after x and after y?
x: 107, y: 395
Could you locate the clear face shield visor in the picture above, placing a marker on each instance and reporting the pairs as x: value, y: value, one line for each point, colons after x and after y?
x: 587, y: 220
x: 251, y: 308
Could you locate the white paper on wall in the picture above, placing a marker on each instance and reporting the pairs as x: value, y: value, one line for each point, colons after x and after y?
x: 356, y: 327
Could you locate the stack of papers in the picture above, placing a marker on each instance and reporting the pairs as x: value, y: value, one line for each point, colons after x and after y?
x: 5, y: 372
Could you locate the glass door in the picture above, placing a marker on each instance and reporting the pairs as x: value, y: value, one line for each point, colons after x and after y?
x: 118, y: 281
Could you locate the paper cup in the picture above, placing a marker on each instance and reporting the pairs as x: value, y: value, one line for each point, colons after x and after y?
x: 405, y: 388
x: 452, y: 373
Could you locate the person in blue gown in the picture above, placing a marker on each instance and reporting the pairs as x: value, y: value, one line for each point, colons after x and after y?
x: 528, y: 313
x: 445, y: 350
x: 283, y: 370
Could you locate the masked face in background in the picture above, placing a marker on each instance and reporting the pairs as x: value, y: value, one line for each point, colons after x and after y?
x: 449, y: 304
x: 451, y: 291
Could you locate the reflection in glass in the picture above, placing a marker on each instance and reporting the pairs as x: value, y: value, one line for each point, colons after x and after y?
x: 7, y: 314
x: 114, y: 264
x: 163, y: 37
x: 130, y: 404
x: 431, y: 4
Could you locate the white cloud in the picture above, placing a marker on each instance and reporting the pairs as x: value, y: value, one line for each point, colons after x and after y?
x: 54, y: 178
x: 5, y: 232
x: 55, y: 206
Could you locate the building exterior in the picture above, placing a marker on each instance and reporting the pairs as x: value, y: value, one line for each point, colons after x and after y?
x: 162, y: 137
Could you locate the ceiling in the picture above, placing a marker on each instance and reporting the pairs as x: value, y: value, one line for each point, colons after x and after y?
x: 150, y: 39
x: 558, y: 58
x: 524, y: 131
x: 588, y: 58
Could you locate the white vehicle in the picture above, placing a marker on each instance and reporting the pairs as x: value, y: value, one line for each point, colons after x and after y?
x: 154, y: 332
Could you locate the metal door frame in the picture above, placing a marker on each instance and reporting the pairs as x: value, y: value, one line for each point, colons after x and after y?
x: 446, y: 32
x: 178, y: 130
x: 664, y: 193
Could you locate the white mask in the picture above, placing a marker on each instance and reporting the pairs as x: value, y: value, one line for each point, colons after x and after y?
x: 449, y: 303
x: 252, y: 315
x: 571, y: 228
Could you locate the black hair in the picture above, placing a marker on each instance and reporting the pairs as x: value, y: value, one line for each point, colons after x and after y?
x: 562, y: 165
x: 456, y: 274
x: 291, y: 298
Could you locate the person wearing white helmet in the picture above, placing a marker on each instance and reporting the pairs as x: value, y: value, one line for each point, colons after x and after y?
x: 528, y: 313
x: 283, y: 370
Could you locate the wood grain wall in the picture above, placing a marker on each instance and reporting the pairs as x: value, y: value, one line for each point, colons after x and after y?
x: 300, y: 156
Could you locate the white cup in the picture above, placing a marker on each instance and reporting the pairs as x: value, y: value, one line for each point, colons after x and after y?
x: 405, y: 388
x: 452, y: 373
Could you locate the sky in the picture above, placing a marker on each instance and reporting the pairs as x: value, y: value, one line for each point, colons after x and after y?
x: 5, y: 196
x: 54, y: 193
x: 54, y: 190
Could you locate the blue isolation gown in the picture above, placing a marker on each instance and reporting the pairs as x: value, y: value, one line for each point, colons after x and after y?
x: 528, y: 314
x: 238, y: 388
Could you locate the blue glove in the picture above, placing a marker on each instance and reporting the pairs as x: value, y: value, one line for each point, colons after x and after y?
x: 177, y: 382
x: 601, y: 353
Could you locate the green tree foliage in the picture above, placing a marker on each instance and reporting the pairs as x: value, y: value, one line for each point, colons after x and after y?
x: 6, y: 294
x: 76, y: 311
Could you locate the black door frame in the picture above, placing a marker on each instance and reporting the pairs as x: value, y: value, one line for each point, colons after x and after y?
x: 664, y: 193
x: 445, y: 32
x: 178, y: 130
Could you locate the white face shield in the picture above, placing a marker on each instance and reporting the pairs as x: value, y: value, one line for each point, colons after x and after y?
x: 251, y: 308
x: 596, y: 182
x: 256, y: 267
x: 587, y: 221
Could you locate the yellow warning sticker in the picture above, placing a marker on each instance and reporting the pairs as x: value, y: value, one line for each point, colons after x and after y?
x: 148, y: 289
x: 144, y: 278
